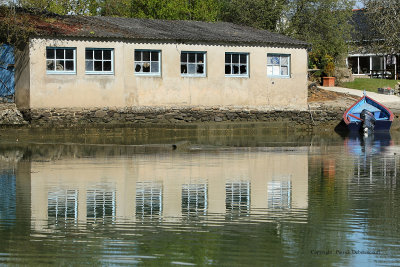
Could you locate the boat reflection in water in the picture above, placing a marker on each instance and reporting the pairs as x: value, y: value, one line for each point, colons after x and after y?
x: 360, y: 145
x: 170, y: 187
x: 373, y: 153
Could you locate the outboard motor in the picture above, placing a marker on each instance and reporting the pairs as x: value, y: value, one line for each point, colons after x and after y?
x: 368, y: 121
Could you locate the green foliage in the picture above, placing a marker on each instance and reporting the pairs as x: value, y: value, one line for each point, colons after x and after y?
x: 207, y: 10
x: 62, y: 7
x: 155, y: 9
x: 329, y: 69
x: 328, y: 65
x: 262, y: 14
x: 325, y: 24
x: 118, y: 8
x: 384, y: 20
x: 14, y: 30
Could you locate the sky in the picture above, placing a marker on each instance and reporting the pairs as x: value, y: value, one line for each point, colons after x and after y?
x: 358, y: 5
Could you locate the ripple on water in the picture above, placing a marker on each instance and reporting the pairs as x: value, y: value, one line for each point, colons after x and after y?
x: 105, y: 205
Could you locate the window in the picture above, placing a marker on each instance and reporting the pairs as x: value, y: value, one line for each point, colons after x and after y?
x: 236, y: 64
x: 99, y: 61
x: 60, y: 60
x: 193, y: 64
x: 147, y: 62
x: 278, y: 65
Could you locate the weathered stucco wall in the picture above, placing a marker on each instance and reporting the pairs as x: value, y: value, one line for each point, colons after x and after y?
x: 22, y: 78
x: 125, y: 89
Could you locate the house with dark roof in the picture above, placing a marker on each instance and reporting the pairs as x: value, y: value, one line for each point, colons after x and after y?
x: 85, y: 62
x: 363, y: 60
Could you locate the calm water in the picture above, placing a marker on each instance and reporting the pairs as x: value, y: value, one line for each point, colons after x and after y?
x: 226, y: 196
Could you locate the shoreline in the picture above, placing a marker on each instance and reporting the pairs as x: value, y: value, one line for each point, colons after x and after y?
x: 324, y: 112
x: 104, y: 117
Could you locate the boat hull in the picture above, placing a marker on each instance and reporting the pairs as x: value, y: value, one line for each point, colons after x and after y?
x: 380, y: 126
x: 383, y: 115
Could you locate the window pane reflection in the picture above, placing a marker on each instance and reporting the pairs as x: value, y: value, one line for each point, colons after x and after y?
x: 100, y: 204
x: 237, y: 198
x: 279, y: 194
x: 194, y: 199
x: 148, y: 199
x: 62, y: 205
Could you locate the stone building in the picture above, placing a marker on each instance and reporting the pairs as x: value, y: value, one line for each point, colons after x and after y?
x: 91, y: 62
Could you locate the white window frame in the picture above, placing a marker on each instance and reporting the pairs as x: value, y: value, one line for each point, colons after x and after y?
x: 55, y: 71
x: 246, y: 75
x: 279, y: 75
x: 96, y: 72
x: 141, y: 73
x: 204, y: 74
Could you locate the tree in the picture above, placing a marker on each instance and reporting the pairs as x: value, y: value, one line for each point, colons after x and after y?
x: 384, y: 19
x: 159, y: 9
x: 62, y: 7
x: 119, y: 8
x: 14, y: 30
x: 325, y: 24
x: 205, y: 10
x: 261, y: 14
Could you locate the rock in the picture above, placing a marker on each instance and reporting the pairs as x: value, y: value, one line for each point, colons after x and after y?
x: 217, y: 119
x: 100, y: 114
x: 344, y: 75
x: 10, y: 115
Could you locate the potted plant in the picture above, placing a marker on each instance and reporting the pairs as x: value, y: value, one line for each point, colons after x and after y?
x: 329, y: 70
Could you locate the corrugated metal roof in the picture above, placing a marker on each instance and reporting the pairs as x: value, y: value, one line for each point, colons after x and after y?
x: 173, y: 30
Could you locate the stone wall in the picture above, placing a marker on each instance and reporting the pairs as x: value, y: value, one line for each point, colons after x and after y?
x: 10, y: 115
x: 127, y: 116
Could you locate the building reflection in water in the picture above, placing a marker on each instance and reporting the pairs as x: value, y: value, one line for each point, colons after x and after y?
x: 375, y: 156
x: 194, y: 199
x: 237, y: 199
x: 168, y: 187
x: 62, y: 205
x: 279, y: 194
x: 8, y: 197
x: 148, y: 199
x: 100, y: 204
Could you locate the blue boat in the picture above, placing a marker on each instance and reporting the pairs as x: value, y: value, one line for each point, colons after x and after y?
x: 368, y: 115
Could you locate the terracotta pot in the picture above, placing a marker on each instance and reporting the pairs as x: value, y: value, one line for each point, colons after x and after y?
x: 328, y: 81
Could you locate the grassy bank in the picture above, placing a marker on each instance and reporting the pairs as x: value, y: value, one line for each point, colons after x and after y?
x: 371, y: 85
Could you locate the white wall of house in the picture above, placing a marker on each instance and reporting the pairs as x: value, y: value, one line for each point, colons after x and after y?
x: 124, y: 88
